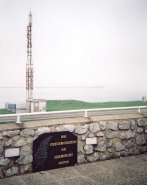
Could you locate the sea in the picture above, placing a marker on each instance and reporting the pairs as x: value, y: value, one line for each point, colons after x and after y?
x: 89, y: 94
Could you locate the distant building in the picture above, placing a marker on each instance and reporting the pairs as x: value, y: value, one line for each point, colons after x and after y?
x: 36, y: 105
x: 144, y: 98
x: 15, y: 107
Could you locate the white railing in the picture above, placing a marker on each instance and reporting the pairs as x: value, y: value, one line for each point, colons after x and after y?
x: 83, y: 112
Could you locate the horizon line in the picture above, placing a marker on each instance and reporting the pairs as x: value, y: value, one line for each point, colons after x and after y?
x: 54, y: 87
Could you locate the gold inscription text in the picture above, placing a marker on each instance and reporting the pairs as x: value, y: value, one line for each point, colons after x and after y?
x: 63, y: 162
x: 63, y: 136
x: 63, y: 156
x: 63, y: 143
x: 63, y: 149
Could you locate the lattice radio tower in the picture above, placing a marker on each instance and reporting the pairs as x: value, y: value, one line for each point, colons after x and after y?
x: 29, y: 63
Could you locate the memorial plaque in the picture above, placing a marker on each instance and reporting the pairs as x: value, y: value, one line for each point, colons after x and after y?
x: 54, y: 150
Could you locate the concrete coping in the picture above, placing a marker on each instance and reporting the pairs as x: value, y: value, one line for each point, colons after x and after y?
x: 82, y: 120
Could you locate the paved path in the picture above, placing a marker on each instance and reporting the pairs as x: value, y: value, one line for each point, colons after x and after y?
x: 126, y: 171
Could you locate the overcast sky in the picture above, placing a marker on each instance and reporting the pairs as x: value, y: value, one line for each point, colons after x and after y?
x: 76, y: 43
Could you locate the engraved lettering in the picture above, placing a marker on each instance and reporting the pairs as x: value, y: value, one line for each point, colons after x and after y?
x: 63, y: 162
x: 63, y: 143
x: 63, y: 136
x: 63, y: 149
x: 63, y: 156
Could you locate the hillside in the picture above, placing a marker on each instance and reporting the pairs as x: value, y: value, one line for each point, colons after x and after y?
x: 59, y: 105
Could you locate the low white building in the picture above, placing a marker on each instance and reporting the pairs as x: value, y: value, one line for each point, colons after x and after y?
x: 144, y: 99
x: 36, y: 105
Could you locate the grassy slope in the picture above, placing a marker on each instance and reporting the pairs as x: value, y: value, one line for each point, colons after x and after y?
x: 4, y: 111
x: 57, y: 105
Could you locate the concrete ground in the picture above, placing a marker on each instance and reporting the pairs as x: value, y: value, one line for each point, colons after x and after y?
x: 125, y: 171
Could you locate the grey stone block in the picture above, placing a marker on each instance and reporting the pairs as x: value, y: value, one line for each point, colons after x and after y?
x: 25, y: 159
x: 88, y: 149
x: 104, y: 157
x: 42, y: 130
x: 93, y: 157
x: 123, y: 153
x: 83, y: 137
x: 4, y: 161
x: 81, y: 158
x: 133, y: 124
x: 94, y: 127
x: 127, y: 135
x: 11, y: 133
x: 119, y: 146
x: 100, y: 134
x: 135, y: 150
x: 109, y: 143
x: 20, y: 142
x: 8, y: 142
x: 124, y: 125
x: 129, y: 144
x: 91, y: 135
x: 142, y: 122
x: 1, y: 147
x: 69, y: 128
x: 25, y: 155
x: 81, y: 129
x: 142, y: 149
x: 109, y: 150
x: 26, y: 168
x: 139, y: 130
x: 27, y: 132
x: 130, y: 134
x: 102, y: 125
x: 1, y: 136
x: 111, y: 134
x: 112, y: 125
x: 101, y: 146
x: 11, y: 171
x: 29, y: 140
x: 140, y: 139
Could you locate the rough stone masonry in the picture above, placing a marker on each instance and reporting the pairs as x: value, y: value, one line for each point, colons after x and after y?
x: 97, y: 140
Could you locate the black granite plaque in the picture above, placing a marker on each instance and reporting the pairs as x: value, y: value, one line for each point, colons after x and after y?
x: 54, y: 150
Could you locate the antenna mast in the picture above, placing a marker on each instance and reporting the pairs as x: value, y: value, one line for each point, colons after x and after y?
x: 29, y: 64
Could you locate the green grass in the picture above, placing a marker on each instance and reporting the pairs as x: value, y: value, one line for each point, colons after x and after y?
x: 59, y: 105
x: 4, y: 111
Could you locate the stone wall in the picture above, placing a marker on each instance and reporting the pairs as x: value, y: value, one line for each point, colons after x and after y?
x: 97, y: 140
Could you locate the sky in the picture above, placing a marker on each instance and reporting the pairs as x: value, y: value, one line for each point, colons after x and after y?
x: 75, y: 43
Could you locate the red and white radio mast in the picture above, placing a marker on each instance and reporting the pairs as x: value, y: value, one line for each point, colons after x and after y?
x: 29, y: 63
